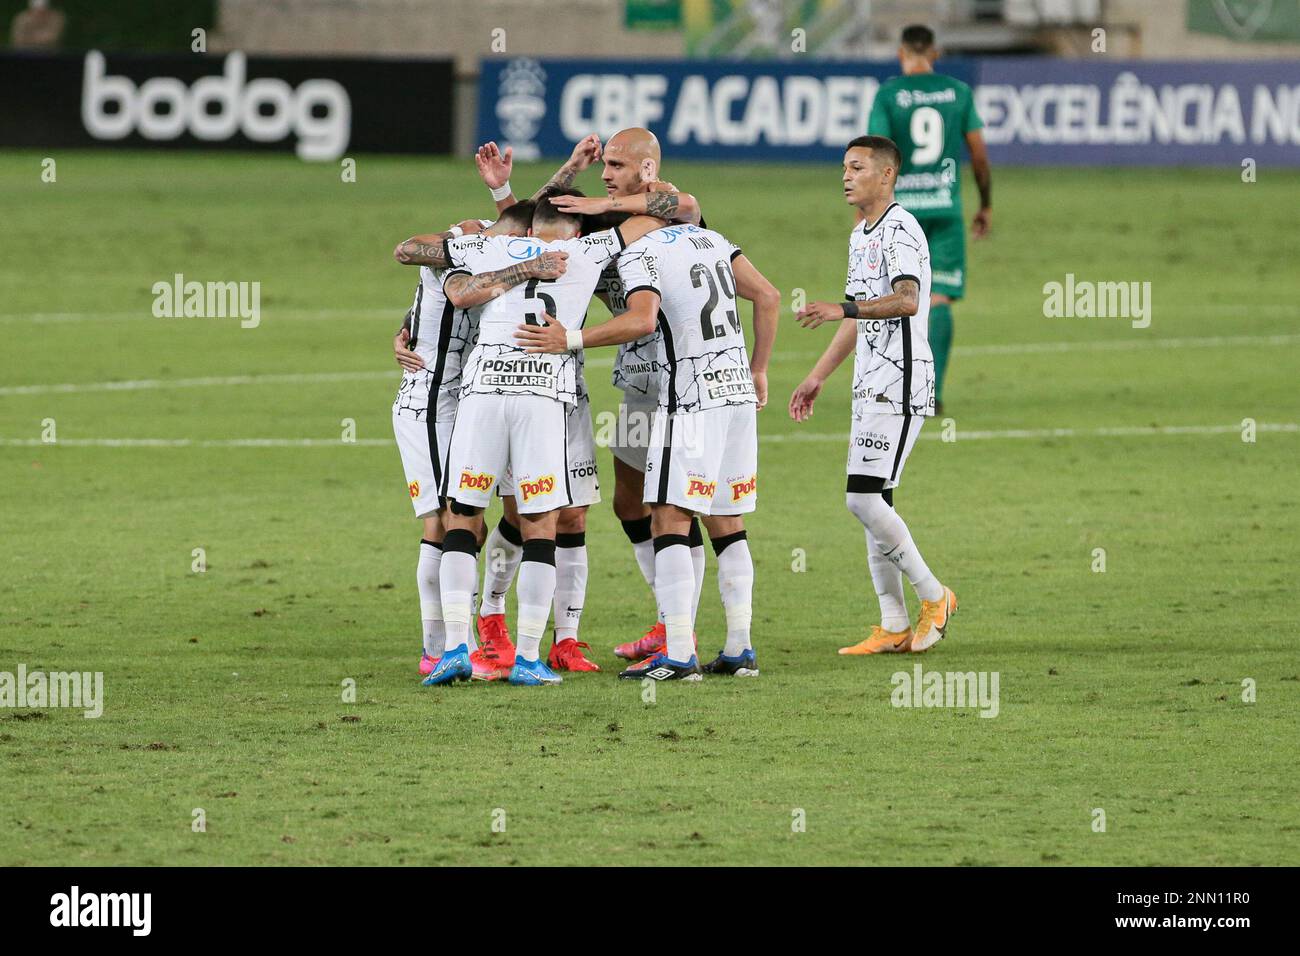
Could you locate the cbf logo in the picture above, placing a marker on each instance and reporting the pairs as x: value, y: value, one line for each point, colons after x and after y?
x: 520, y: 248
x: 521, y: 105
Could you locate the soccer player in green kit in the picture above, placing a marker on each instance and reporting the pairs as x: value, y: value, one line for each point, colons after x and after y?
x: 928, y: 116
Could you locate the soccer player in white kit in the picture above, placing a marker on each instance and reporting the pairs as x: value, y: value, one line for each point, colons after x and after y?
x: 703, y: 449
x: 440, y: 332
x: 887, y: 295
x: 513, y: 418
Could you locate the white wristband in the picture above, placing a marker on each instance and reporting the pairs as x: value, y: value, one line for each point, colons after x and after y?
x: 456, y: 232
x: 573, y: 339
x: 502, y: 192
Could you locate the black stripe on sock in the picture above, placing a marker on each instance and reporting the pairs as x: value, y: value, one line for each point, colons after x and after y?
x: 695, y: 537
x: 865, y: 485
x: 510, y: 532
x: 540, y: 550
x: 637, y: 530
x: 571, y: 539
x: 432, y: 544
x: 721, y: 544
x: 462, y: 540
x: 670, y: 540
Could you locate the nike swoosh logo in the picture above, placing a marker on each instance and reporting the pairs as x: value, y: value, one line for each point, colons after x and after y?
x: 575, y: 610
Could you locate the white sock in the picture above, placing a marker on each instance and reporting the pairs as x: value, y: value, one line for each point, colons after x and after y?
x: 570, y: 584
x: 736, y: 585
x: 456, y: 579
x: 426, y: 580
x: 674, y: 587
x: 535, y: 592
x: 895, y: 542
x: 501, y: 561
x: 889, y: 588
x: 644, y: 549
x: 697, y: 567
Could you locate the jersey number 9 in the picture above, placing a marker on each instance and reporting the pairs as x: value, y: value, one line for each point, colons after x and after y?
x: 927, y: 135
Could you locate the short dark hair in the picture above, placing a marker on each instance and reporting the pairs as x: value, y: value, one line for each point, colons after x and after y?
x: 520, y: 215
x: 600, y: 221
x: 547, y: 214
x: 918, y: 38
x: 879, y: 144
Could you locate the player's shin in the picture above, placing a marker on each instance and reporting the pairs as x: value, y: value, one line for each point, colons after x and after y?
x: 570, y: 583
x: 675, y: 590
x: 736, y: 587
x: 457, y: 578
x: 698, y: 563
x: 940, y: 336
x: 536, y: 590
x: 638, y: 532
x: 888, y: 580
x: 890, y: 533
x: 502, y: 551
x: 427, y: 583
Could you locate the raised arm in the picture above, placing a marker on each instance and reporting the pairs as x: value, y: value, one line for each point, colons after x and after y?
x: 979, y: 164
x: 673, y: 207
x: 754, y: 286
x: 585, y: 152
x: 467, y: 291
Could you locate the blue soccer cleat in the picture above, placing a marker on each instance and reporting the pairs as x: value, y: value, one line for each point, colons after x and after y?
x: 661, y: 667
x: 454, y: 665
x: 532, y: 673
x: 742, y: 665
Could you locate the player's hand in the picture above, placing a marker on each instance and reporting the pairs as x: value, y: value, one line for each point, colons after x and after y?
x: 816, y: 313
x: 585, y: 152
x: 493, y: 165
x: 582, y: 205
x: 760, y: 387
x: 659, y: 186
x: 469, y: 227
x: 408, y: 360
x: 551, y: 337
x: 981, y: 224
x: 549, y: 265
x: 801, y: 402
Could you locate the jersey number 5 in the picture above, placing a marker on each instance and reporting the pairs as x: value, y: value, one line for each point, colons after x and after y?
x: 534, y: 317
x: 701, y: 276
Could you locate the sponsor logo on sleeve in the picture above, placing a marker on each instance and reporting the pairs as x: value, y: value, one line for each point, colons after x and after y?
x: 414, y: 489
x: 542, y: 486
x: 742, y: 489
x: 480, y: 482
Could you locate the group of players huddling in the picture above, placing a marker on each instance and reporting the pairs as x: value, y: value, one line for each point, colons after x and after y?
x: 493, y: 402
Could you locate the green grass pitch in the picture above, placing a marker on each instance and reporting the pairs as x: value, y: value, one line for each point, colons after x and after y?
x: 1120, y: 690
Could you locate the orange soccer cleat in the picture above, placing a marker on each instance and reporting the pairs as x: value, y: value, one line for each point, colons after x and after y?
x: 566, y: 655
x: 881, y: 641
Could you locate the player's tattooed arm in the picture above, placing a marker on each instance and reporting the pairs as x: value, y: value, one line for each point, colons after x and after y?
x: 430, y: 250
x: 841, y: 347
x: 467, y: 291
x: 639, y: 320
x: 586, y: 152
x: 901, y: 303
x: 673, y: 207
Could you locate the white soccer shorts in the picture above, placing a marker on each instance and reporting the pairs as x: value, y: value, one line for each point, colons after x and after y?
x: 632, y: 437
x: 584, y: 482
x: 705, y: 461
x: 879, y: 445
x: 423, y: 447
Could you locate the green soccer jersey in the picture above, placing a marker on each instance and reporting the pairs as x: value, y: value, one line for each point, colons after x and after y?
x: 928, y: 116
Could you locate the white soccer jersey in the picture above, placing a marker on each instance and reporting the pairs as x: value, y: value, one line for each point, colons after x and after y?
x: 497, y: 364
x: 893, y: 368
x: 636, y: 369
x: 702, y: 355
x: 443, y: 336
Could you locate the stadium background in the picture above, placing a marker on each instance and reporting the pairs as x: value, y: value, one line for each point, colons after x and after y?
x: 1121, y: 690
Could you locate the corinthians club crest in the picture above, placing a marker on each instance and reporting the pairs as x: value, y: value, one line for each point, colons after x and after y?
x: 521, y: 105
x: 1243, y: 17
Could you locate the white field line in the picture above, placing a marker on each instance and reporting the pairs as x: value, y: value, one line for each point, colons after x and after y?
x: 1123, y: 431
x: 301, y: 378
x: 375, y: 312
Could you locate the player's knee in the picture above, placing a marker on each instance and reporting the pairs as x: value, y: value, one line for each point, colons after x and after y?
x: 572, y: 521
x: 870, y: 508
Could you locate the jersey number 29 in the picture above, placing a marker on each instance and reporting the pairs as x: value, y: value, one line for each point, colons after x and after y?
x: 701, y: 276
